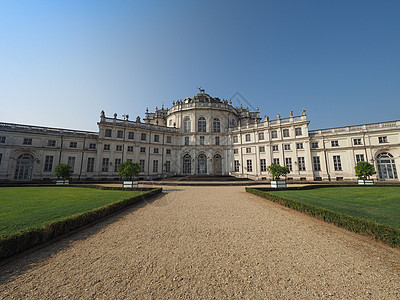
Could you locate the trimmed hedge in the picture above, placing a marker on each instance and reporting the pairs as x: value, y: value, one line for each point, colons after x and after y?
x: 386, y: 234
x: 23, y: 240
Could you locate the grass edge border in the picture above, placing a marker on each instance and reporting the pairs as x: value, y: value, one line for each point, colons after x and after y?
x: 387, y: 234
x: 24, y: 240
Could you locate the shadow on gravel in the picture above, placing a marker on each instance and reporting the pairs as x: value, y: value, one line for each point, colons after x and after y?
x: 20, y: 263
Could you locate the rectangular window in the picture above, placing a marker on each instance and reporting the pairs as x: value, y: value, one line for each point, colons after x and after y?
x: 155, y: 166
x: 202, y: 140
x: 236, y: 166
x: 142, y: 162
x: 104, y: 165
x: 51, y: 143
x: 335, y: 143
x: 168, y: 151
x: 286, y: 146
x: 217, y: 140
x: 116, y: 164
x: 142, y: 136
x: 288, y: 162
x: 359, y: 157
x: 274, y: 134
x: 337, y: 163
x: 285, y: 132
x: 167, y: 166
x: 156, y: 138
x: 90, y: 164
x: 118, y: 147
x: 248, y: 150
x: 275, y: 161
x: 235, y: 139
x: 275, y: 148
x: 299, y: 145
x: 92, y: 146
x: 302, y: 164
x: 2, y: 139
x: 261, y: 148
x: 155, y: 150
x: 48, y: 163
x: 382, y: 139
x: 261, y: 136
x: 107, y: 133
x: 263, y: 165
x: 357, y: 142
x: 71, y: 162
x: 169, y: 139
x: 142, y: 149
x: 314, y: 145
x: 317, y: 163
x: 235, y: 151
x: 73, y: 144
x: 106, y: 147
x: 297, y: 131
x: 248, y: 139
x: 131, y: 135
x: 27, y: 141
x: 130, y: 148
x: 1, y: 156
x: 186, y: 141
x: 249, y: 165
x: 120, y: 134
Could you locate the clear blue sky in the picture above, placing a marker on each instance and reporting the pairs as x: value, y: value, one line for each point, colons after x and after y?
x: 62, y: 62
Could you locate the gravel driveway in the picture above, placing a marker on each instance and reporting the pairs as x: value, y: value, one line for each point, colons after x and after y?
x: 207, y: 242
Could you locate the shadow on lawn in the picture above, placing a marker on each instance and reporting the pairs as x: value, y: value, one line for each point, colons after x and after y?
x: 20, y: 263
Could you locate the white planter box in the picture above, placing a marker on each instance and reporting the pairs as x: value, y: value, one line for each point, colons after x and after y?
x: 130, y: 184
x: 278, y: 183
x: 62, y: 182
x: 365, y: 181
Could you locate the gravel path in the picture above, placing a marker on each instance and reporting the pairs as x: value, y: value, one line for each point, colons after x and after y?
x: 207, y: 242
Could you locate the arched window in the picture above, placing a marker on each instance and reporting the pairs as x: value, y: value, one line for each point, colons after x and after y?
x: 187, y: 164
x: 202, y: 164
x: 216, y: 125
x: 201, y: 124
x: 187, y: 125
x: 386, y: 166
x: 24, y: 167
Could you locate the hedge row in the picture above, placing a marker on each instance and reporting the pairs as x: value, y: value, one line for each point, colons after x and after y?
x: 23, y: 240
x: 383, y: 233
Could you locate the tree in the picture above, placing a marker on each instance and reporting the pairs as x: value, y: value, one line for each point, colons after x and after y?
x: 129, y: 169
x: 364, y: 169
x: 276, y: 170
x: 63, y: 170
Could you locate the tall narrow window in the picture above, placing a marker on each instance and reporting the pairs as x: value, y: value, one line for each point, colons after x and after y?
x: 217, y: 140
x: 90, y: 164
x: 302, y: 164
x: 249, y: 165
x: 117, y: 163
x: 71, y: 162
x: 337, y: 163
x: 142, y: 162
x: 155, y: 166
x: 317, y: 163
x: 187, y: 125
x: 201, y: 140
x: 236, y: 166
x: 202, y: 124
x: 288, y: 162
x: 216, y: 125
x: 168, y: 166
x: 48, y: 163
x: 263, y: 165
x: 104, y: 166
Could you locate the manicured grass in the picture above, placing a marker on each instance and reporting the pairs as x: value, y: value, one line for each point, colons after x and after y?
x: 378, y: 204
x: 23, y: 208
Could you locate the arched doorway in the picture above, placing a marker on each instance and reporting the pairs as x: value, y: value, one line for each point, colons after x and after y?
x: 187, y: 164
x: 386, y: 166
x: 24, y: 167
x: 217, y: 164
x: 202, y: 164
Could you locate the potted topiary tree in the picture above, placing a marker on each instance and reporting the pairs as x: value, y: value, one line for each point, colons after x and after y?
x: 63, y: 171
x: 276, y: 170
x: 128, y: 170
x: 364, y: 170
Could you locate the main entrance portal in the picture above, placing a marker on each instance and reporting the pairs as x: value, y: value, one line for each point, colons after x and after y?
x: 386, y: 166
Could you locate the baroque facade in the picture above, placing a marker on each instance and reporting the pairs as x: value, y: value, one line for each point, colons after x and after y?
x: 202, y: 135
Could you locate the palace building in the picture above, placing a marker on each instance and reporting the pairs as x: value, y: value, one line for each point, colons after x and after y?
x: 202, y: 135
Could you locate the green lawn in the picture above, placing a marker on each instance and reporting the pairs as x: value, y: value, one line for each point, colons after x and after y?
x: 27, y: 207
x: 378, y: 203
